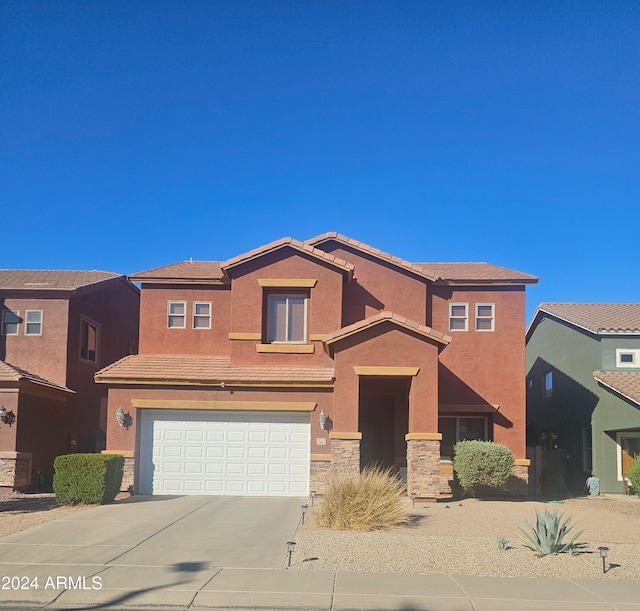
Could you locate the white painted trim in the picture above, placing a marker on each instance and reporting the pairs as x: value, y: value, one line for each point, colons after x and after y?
x: 2, y: 323
x: 466, y: 317
x: 193, y: 314
x: 169, y: 315
x: 635, y: 364
x: 26, y: 322
x: 492, y: 318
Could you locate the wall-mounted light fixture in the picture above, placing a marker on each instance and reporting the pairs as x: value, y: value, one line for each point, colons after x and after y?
x: 322, y: 417
x: 124, y: 420
x: 7, y: 417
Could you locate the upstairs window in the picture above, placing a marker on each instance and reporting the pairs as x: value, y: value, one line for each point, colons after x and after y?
x: 287, y: 319
x: 548, y: 384
x: 89, y: 335
x: 627, y: 358
x: 33, y: 322
x: 202, y: 315
x: 10, y: 322
x: 177, y: 314
x: 484, y: 316
x: 458, y: 319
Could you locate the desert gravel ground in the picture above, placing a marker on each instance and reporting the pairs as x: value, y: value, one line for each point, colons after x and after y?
x: 19, y: 511
x: 460, y: 537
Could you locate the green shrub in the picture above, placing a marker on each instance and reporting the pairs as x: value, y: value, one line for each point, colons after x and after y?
x: 482, y: 463
x: 548, y: 535
x: 634, y: 475
x: 87, y: 478
x: 371, y: 500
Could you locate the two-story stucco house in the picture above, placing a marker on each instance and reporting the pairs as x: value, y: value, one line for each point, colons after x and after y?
x: 269, y: 372
x: 57, y: 328
x: 583, y: 388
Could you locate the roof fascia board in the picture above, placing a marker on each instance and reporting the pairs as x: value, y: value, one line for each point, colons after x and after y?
x: 395, y: 261
x: 324, y: 257
x: 476, y: 282
x: 201, y: 281
x: 616, y: 391
x: 374, y: 323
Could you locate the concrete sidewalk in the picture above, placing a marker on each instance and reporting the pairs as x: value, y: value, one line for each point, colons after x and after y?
x: 185, y: 586
x: 177, y: 553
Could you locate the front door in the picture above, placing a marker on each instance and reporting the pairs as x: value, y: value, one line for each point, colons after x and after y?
x: 376, y: 423
x: 630, y: 448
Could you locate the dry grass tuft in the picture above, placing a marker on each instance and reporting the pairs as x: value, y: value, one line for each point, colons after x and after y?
x: 369, y: 501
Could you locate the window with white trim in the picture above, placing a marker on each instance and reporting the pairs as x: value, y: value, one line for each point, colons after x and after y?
x: 458, y: 316
x: 10, y: 322
x: 460, y: 428
x: 202, y: 315
x: 286, y: 319
x: 33, y: 322
x: 485, y: 318
x: 627, y: 358
x: 177, y: 314
x: 89, y: 338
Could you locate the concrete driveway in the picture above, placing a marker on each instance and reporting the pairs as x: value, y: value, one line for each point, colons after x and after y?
x: 146, y: 543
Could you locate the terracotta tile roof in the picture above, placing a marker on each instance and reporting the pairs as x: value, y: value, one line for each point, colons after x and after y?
x: 381, y: 317
x: 601, y: 318
x: 623, y: 382
x: 52, y: 279
x: 291, y: 243
x: 416, y: 268
x: 477, y: 271
x: 11, y: 373
x: 205, y: 370
x: 202, y: 271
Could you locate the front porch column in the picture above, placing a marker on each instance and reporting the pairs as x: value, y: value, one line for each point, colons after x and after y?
x: 345, y: 454
x: 423, y: 464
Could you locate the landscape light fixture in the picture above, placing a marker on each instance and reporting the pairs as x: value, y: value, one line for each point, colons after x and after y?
x: 290, y: 546
x: 313, y: 496
x: 603, y: 554
x: 7, y: 417
x: 413, y: 498
x: 304, y: 510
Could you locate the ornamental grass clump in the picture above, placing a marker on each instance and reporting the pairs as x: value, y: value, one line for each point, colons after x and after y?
x: 548, y: 535
x: 371, y: 500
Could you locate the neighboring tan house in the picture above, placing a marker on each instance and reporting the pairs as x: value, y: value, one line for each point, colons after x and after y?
x: 583, y: 388
x: 57, y: 329
x: 267, y: 373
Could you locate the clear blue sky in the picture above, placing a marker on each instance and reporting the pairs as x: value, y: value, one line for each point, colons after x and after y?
x: 138, y: 134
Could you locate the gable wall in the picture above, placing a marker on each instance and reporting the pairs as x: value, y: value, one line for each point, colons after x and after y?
x: 43, y: 355
x: 485, y: 366
x: 378, y: 286
x: 248, y: 310
x: 157, y: 338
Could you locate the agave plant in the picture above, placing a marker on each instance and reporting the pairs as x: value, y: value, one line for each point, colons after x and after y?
x: 548, y: 535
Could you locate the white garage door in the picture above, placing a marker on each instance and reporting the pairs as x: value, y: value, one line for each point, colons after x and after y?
x: 226, y: 453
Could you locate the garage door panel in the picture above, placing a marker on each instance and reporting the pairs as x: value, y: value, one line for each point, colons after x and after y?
x: 196, y: 452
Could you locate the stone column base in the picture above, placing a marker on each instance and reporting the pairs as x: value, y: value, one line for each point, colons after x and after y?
x: 423, y: 468
x: 320, y: 475
x: 518, y: 482
x: 15, y: 469
x: 345, y: 455
x: 127, y: 474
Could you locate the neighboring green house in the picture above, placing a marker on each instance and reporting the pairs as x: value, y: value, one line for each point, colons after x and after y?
x: 583, y: 389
